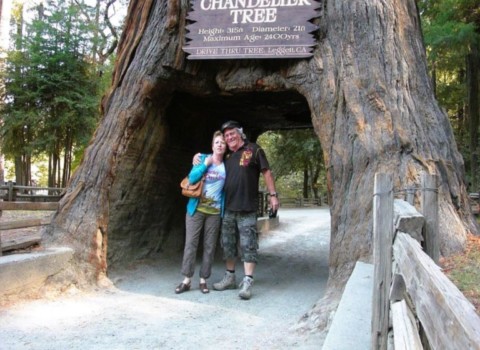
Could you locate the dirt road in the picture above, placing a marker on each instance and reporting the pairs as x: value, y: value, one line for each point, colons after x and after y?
x: 143, y: 312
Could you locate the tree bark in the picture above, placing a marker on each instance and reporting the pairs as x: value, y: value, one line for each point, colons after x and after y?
x: 473, y: 97
x: 305, y: 181
x: 372, y: 107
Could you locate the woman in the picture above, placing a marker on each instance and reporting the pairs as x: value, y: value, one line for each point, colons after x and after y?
x: 204, y: 213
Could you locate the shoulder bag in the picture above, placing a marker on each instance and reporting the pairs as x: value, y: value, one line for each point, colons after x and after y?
x: 193, y: 191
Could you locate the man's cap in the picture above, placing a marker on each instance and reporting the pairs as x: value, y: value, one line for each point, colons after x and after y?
x: 231, y: 124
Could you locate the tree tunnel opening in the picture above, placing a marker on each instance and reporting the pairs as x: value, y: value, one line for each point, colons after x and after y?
x: 147, y: 210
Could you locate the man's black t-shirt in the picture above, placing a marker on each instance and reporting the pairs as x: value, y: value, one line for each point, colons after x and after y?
x: 243, y: 169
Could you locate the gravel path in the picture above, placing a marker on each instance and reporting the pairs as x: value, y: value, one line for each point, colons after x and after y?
x: 143, y: 312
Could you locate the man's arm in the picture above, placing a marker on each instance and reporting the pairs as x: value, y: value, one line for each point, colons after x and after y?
x: 268, y: 176
x: 197, y: 159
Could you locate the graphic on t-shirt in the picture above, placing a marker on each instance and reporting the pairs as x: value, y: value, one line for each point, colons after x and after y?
x: 210, y: 202
x: 208, y: 206
x: 246, y: 157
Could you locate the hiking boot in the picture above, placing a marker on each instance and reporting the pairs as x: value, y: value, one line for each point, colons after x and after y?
x: 246, y: 288
x: 227, y: 282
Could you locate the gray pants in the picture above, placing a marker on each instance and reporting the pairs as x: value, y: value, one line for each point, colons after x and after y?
x: 194, y: 225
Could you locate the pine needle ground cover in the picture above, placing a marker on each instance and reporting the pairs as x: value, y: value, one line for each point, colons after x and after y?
x: 464, y: 270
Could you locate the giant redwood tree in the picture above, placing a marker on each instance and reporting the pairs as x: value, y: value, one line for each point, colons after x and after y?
x: 365, y: 91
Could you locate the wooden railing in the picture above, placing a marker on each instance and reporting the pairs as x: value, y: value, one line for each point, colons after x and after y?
x: 302, y: 202
x: 475, y: 202
x: 427, y: 310
x: 29, y: 198
x: 13, y: 193
x: 287, y: 202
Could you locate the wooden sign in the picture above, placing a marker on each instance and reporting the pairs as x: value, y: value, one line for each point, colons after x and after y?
x: 226, y: 29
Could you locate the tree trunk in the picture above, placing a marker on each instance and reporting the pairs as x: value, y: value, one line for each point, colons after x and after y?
x: 305, y: 181
x: 2, y: 168
x: 473, y: 96
x: 316, y: 174
x: 371, y: 104
x: 22, y: 170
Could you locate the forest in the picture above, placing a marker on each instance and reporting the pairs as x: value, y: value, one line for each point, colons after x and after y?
x: 53, y: 73
x: 58, y: 66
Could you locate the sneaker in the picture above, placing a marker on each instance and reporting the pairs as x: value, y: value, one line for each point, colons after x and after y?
x: 227, y: 282
x: 246, y: 288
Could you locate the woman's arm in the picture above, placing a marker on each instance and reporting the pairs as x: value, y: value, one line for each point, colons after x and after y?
x: 199, y: 170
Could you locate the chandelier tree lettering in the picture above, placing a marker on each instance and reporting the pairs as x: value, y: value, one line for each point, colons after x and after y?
x: 227, y: 29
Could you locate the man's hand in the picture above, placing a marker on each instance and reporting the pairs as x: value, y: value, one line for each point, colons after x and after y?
x: 208, y: 161
x: 196, y: 159
x: 270, y: 183
x: 274, y: 203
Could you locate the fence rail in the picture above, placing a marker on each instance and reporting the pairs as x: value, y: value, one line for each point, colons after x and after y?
x: 287, y: 202
x: 11, y: 193
x: 475, y: 202
x: 408, y: 285
x: 29, y: 198
x: 301, y: 202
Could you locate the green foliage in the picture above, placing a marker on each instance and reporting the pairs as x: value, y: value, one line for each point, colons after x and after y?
x: 451, y: 28
x: 448, y: 37
x: 295, y: 157
x: 53, y: 86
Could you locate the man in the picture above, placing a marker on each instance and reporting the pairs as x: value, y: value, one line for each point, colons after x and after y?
x: 244, y: 163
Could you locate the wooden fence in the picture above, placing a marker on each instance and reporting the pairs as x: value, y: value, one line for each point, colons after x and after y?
x: 475, y: 202
x: 29, y: 198
x: 302, y: 202
x: 427, y: 311
x: 286, y: 202
x: 13, y: 193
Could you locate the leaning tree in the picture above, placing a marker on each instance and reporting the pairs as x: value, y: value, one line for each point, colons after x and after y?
x: 365, y: 91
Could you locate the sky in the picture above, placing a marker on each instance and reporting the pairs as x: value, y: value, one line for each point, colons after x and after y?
x: 4, y: 23
x: 7, y: 9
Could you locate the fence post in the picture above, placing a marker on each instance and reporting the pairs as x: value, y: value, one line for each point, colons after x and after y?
x: 430, y: 212
x: 6, y: 198
x: 10, y: 191
x: 410, y: 195
x: 382, y: 254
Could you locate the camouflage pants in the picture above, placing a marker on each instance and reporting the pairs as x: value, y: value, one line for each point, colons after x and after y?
x: 239, y: 230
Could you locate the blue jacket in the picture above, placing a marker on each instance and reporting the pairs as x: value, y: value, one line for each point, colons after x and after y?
x: 194, y: 176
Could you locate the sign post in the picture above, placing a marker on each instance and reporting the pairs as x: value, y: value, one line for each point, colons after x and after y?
x: 227, y: 29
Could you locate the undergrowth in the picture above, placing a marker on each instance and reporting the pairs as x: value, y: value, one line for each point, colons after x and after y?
x: 464, y: 270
